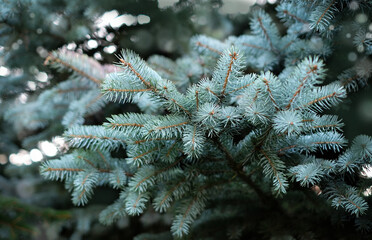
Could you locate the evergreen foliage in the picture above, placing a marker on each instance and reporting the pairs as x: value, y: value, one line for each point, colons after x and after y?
x: 227, y: 134
x: 56, y: 99
x: 230, y: 129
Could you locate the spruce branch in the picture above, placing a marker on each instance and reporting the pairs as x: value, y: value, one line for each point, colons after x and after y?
x: 325, y: 12
x: 146, y: 83
x: 177, y: 156
x: 270, y: 93
x: 233, y: 57
x: 139, y: 66
x: 139, y: 182
x: 266, y: 199
x: 303, y: 81
x: 52, y: 58
x: 266, y: 34
x: 321, y: 18
x: 208, y: 47
x: 274, y: 169
x: 286, y: 12
x: 164, y: 199
x: 239, y: 171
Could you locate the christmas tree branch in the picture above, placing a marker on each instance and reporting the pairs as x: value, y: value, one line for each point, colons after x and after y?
x: 52, y: 58
x: 239, y: 171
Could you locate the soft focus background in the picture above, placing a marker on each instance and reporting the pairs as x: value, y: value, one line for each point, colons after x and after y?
x: 30, y: 29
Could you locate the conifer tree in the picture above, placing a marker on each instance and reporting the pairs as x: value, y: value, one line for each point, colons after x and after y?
x: 235, y: 139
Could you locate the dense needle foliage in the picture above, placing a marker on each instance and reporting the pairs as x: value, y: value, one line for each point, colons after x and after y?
x: 235, y: 139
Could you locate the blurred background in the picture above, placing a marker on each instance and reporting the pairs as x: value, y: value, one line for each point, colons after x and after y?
x: 31, y: 207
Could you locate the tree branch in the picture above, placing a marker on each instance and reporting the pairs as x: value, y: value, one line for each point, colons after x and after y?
x: 239, y: 171
x: 266, y: 199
